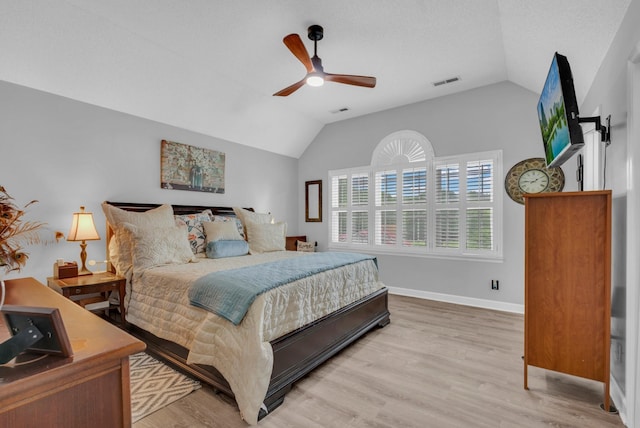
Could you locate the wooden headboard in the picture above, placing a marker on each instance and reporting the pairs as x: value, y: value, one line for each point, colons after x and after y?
x: 177, y: 209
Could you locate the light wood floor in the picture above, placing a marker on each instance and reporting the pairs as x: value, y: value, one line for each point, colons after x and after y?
x: 436, y: 365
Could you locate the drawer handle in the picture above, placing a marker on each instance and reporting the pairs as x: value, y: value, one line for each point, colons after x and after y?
x: 78, y: 290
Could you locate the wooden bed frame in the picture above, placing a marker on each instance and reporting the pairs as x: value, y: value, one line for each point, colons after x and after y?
x: 294, y: 354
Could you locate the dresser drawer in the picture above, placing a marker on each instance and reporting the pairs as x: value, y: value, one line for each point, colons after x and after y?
x: 88, y: 289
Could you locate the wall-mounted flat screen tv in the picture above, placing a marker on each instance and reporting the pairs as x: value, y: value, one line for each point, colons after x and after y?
x: 558, y: 114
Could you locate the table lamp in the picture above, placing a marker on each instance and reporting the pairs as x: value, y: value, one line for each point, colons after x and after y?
x: 83, y: 229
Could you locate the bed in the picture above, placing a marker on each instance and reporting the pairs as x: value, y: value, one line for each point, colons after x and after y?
x: 258, y: 360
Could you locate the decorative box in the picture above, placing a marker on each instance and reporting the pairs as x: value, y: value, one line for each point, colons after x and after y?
x: 66, y: 270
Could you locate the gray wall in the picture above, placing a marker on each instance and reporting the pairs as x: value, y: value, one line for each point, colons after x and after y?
x: 66, y: 153
x: 609, y: 92
x: 501, y: 116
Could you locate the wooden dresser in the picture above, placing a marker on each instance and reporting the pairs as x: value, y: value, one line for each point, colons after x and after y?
x: 91, y: 389
x: 567, y: 301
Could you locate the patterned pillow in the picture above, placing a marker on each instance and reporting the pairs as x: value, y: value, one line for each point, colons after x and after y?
x: 307, y: 247
x: 195, y: 229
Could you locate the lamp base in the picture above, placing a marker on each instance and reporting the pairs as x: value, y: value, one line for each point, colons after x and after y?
x: 84, y: 272
x: 83, y: 257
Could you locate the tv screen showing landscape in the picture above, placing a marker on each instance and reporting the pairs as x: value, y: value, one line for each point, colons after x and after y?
x: 553, y: 118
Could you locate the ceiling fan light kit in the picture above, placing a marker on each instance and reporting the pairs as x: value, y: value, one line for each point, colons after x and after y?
x: 315, y: 72
x: 315, y: 79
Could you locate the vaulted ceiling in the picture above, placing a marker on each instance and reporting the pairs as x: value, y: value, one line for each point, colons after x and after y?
x: 211, y: 66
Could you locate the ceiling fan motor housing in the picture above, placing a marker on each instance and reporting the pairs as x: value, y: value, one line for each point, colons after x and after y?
x: 315, y: 33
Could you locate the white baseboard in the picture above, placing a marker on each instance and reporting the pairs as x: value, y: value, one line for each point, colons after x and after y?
x: 460, y: 300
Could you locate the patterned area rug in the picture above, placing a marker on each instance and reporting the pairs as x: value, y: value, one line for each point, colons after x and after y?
x: 155, y: 385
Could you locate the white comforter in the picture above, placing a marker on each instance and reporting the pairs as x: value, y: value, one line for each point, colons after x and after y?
x: 158, y: 303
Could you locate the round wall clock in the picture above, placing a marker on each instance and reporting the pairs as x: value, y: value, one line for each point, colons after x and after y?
x: 532, y: 176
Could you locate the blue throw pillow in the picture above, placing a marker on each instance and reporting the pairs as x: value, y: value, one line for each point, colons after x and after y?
x: 220, y: 249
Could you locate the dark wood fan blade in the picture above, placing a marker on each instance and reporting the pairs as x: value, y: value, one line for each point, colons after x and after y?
x: 295, y: 45
x: 366, y: 81
x: 290, y: 89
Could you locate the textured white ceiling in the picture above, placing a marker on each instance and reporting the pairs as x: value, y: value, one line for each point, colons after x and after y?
x: 211, y: 66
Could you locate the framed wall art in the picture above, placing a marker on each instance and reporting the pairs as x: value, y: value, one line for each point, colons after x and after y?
x: 185, y: 167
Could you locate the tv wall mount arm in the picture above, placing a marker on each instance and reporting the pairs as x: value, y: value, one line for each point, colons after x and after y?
x: 605, y: 130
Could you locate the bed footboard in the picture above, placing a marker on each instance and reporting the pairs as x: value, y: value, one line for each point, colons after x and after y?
x: 299, y: 352
x: 295, y: 354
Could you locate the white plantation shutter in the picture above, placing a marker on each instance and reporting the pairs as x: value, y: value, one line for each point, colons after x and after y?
x: 414, y: 228
x: 414, y: 206
x: 386, y: 207
x: 447, y: 203
x: 339, y: 208
x: 349, y: 208
x: 359, y: 212
x: 479, y: 228
x: 480, y: 195
x: 360, y: 227
x: 385, y: 227
x: 447, y: 230
x: 480, y: 180
x: 360, y: 189
x: 409, y: 201
x: 466, y: 203
x: 447, y: 183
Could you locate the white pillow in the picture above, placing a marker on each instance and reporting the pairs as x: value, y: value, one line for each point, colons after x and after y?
x: 161, y: 216
x: 233, y: 219
x: 266, y: 237
x: 221, y: 231
x: 157, y: 246
x: 246, y: 216
x: 120, y: 246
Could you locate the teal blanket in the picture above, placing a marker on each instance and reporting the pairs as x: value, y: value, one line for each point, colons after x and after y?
x: 230, y: 293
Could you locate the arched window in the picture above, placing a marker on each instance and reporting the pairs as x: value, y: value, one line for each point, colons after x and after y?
x: 402, y: 147
x: 409, y: 201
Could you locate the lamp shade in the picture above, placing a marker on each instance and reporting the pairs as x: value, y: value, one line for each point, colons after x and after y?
x: 82, y: 227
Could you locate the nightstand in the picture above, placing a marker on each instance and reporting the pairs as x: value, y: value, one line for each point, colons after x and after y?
x: 290, y: 242
x: 99, y: 282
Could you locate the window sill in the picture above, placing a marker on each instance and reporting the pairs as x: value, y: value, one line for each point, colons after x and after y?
x: 442, y: 256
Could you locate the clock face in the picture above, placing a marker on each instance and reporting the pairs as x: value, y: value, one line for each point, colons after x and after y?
x: 533, y: 181
x: 532, y: 176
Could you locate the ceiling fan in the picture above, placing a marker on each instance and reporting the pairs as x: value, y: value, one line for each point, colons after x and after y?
x: 315, y: 73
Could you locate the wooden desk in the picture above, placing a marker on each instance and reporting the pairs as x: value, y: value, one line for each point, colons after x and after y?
x: 91, y: 389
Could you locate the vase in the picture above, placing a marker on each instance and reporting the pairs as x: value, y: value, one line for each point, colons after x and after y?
x: 196, y: 177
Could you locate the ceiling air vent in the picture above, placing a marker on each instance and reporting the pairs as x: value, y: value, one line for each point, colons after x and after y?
x: 340, y: 110
x: 446, y: 81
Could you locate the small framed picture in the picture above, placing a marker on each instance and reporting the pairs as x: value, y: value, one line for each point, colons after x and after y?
x: 47, y: 321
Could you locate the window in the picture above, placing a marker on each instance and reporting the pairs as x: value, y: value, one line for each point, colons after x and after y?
x: 409, y: 201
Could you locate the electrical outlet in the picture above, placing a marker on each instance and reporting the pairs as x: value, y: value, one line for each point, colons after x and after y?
x: 495, y: 284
